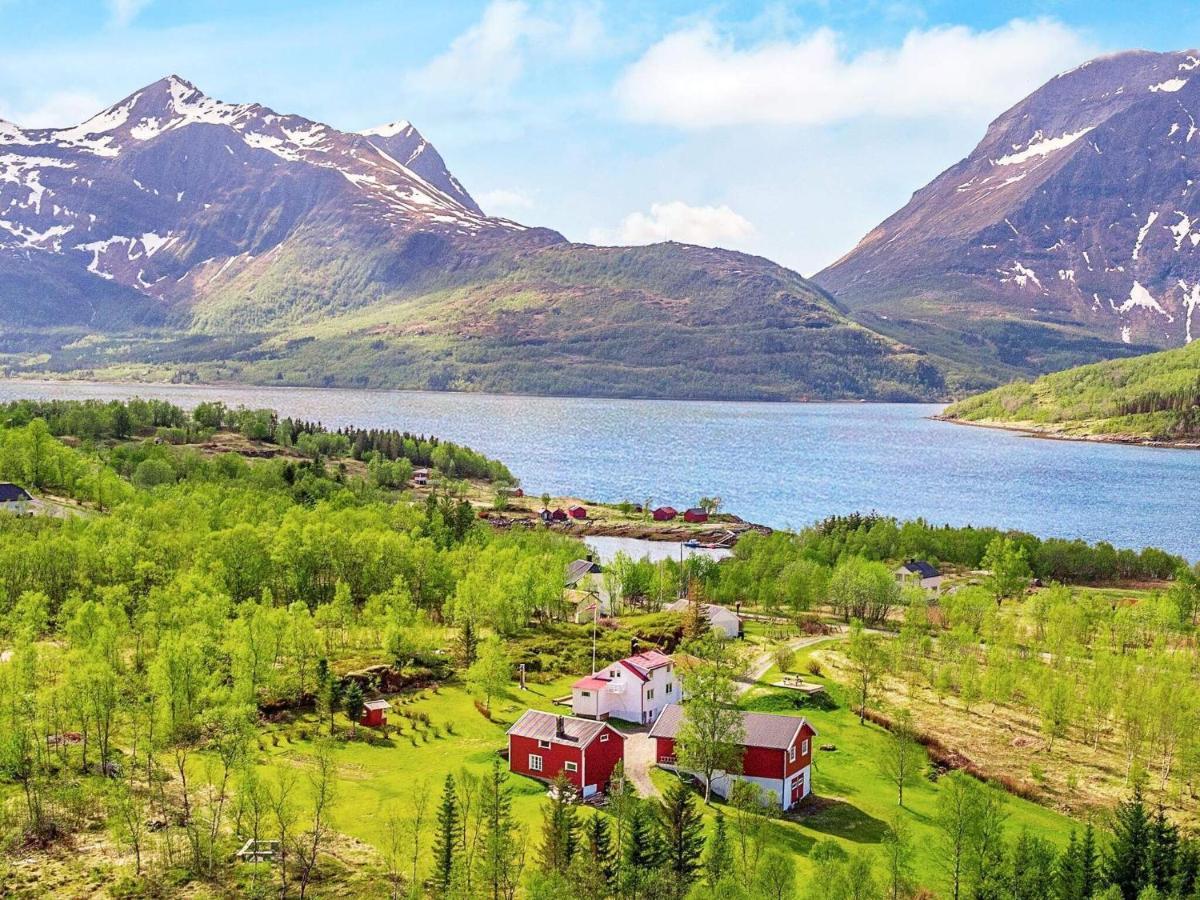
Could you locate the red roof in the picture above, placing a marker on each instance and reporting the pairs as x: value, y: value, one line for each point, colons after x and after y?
x: 590, y: 683
x: 642, y: 664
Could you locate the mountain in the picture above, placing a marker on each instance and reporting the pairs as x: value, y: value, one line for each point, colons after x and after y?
x: 175, y: 236
x: 1070, y: 233
x: 1149, y: 398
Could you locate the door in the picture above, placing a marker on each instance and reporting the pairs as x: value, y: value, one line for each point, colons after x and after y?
x: 797, y: 788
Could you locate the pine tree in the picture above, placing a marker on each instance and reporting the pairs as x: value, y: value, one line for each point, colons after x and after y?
x: 1089, y: 863
x: 466, y: 647
x: 1068, y: 880
x: 599, y: 850
x: 718, y: 856
x: 1031, y: 869
x: 1126, y: 864
x: 446, y: 844
x: 1187, y: 869
x: 560, y: 827
x: 353, y: 704
x: 1164, y: 849
x: 682, y: 830
x: 500, y: 862
x: 641, y: 851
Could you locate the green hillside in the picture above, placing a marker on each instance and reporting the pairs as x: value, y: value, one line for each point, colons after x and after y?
x: 1154, y: 397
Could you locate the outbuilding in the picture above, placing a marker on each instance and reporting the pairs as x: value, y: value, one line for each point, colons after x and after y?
x: 695, y: 514
x: 577, y: 512
x: 14, y: 498
x: 559, y: 515
x: 374, y: 713
x: 541, y: 745
x: 664, y: 514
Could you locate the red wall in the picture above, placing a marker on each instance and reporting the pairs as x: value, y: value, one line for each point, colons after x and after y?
x: 602, y: 757
x: 759, y: 762
x: 666, y: 749
x: 553, y: 758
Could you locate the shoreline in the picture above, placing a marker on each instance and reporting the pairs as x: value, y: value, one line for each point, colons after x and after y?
x: 1034, y: 431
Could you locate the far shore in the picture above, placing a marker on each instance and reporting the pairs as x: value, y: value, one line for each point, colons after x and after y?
x: 1051, y: 433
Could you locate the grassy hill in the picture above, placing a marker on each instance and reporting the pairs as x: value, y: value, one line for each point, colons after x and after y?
x: 1154, y: 397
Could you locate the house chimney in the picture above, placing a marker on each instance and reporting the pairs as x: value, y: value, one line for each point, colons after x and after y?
x: 560, y: 728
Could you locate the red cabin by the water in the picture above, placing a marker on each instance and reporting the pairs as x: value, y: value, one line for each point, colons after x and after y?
x: 374, y: 713
x: 577, y: 512
x: 542, y: 744
x: 665, y: 514
x: 776, y: 753
x: 695, y: 514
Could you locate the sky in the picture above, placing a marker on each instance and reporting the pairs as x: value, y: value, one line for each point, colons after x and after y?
x: 783, y: 129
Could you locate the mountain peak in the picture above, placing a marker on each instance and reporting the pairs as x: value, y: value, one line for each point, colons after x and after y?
x: 391, y: 130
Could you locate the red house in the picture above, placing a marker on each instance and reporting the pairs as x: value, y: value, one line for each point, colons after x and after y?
x: 542, y: 744
x: 664, y: 514
x: 577, y: 512
x: 558, y: 516
x: 374, y: 714
x: 695, y: 514
x: 777, y: 753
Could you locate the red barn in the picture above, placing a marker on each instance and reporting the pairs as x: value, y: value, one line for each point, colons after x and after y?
x: 664, y: 514
x: 542, y: 744
x: 695, y: 514
x: 558, y: 516
x: 776, y: 755
x: 374, y: 714
x: 577, y: 512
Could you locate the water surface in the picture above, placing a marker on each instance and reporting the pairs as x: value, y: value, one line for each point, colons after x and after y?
x: 781, y: 464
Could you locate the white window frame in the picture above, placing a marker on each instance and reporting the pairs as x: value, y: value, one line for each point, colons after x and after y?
x: 604, y: 738
x: 650, y: 693
x: 804, y: 746
x: 585, y: 693
x: 792, y: 753
x: 670, y: 686
x: 543, y: 745
x: 570, y: 766
x: 535, y: 762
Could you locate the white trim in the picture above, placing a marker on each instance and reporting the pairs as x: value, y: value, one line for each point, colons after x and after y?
x: 530, y: 763
x: 569, y: 765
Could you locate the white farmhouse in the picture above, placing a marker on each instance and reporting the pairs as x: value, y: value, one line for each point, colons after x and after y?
x: 634, y: 689
x: 14, y: 499
x: 919, y: 572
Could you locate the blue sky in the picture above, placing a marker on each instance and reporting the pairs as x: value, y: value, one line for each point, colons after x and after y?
x: 787, y: 129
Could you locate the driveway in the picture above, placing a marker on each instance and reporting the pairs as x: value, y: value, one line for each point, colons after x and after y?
x: 763, y: 662
x: 639, y: 760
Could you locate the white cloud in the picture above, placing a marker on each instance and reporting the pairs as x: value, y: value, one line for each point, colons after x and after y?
x: 123, y: 12
x: 697, y: 77
x: 487, y: 59
x: 55, y: 110
x: 504, y: 202
x: 709, y: 226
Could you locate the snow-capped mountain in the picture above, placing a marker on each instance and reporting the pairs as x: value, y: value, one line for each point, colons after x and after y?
x: 175, y: 236
x: 1078, y: 213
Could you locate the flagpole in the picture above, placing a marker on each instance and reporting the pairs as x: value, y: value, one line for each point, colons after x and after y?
x: 595, y: 616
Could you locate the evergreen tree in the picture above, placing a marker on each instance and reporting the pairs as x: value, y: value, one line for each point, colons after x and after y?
x: 599, y: 850
x: 560, y: 827
x: 500, y: 860
x: 718, y: 856
x: 466, y: 647
x: 1164, y: 848
x: 682, y: 830
x: 641, y: 851
x: 446, y: 843
x: 1032, y: 873
x: 1187, y: 869
x: 1125, y: 866
x: 353, y: 704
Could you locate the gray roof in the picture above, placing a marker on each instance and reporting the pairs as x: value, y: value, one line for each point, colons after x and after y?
x: 715, y: 613
x: 11, y: 493
x: 544, y: 726
x: 578, y: 570
x: 920, y: 567
x: 762, y: 729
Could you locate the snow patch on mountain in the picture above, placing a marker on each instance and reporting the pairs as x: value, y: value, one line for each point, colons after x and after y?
x: 1040, y: 145
x: 1170, y: 86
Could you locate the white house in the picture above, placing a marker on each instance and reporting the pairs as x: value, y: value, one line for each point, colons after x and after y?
x: 634, y: 689
x: 14, y: 499
x: 921, y: 573
x: 724, y: 621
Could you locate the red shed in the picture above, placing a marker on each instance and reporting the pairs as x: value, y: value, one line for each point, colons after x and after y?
x: 374, y: 714
x: 776, y: 754
x: 665, y: 514
x: 542, y: 744
x: 577, y: 512
x: 695, y: 514
x: 558, y: 515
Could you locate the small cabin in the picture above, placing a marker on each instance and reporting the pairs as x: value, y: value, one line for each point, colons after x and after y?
x: 577, y: 512
x: 664, y: 514
x: 420, y: 477
x: 559, y: 515
x: 374, y: 714
x: 695, y: 514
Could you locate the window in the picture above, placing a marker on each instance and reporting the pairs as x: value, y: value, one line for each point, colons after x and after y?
x: 604, y: 738
x: 545, y: 745
x: 535, y: 763
x: 650, y: 694
x: 613, y: 673
x: 804, y: 747
x: 570, y: 767
x: 585, y: 693
x: 792, y: 753
x: 670, y: 687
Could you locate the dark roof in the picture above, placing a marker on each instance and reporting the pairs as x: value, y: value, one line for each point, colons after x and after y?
x: 11, y: 493
x: 920, y: 567
x: 578, y: 569
x: 697, y: 511
x: 544, y: 727
x: 762, y: 729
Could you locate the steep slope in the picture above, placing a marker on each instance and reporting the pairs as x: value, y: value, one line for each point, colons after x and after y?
x: 1154, y: 397
x: 1071, y: 229
x: 176, y: 236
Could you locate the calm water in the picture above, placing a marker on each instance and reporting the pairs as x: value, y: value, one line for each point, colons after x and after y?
x: 778, y: 464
